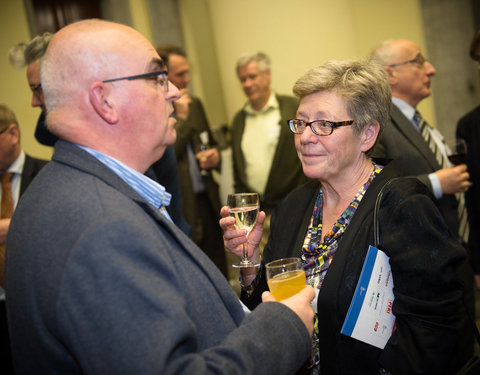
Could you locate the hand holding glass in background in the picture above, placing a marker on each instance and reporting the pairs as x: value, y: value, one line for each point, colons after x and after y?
x: 204, y: 145
x: 457, y: 151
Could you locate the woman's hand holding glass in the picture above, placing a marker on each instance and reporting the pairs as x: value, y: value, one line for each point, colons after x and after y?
x: 234, y: 239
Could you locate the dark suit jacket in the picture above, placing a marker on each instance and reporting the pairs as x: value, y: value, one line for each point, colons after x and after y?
x: 188, y: 133
x: 286, y: 171
x: 165, y: 172
x: 403, y: 143
x: 468, y: 128
x: 427, y: 298
x: 100, y: 282
x: 30, y: 169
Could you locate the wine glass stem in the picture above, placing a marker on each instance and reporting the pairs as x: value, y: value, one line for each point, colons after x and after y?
x: 245, y: 253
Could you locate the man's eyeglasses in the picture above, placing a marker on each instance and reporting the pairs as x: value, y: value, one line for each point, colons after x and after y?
x: 160, y: 77
x: 418, y: 60
x: 37, y: 90
x: 4, y: 129
x: 319, y: 127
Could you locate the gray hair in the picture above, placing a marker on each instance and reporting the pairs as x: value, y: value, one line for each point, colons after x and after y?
x: 362, y: 84
x: 384, y: 53
x: 262, y: 60
x: 26, y: 53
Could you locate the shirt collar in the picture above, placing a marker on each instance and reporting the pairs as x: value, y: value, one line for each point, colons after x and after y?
x: 17, y: 165
x: 405, y: 108
x: 149, y: 189
x: 272, y: 103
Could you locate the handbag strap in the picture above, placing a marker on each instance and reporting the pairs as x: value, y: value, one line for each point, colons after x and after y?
x: 376, y: 224
x: 376, y: 242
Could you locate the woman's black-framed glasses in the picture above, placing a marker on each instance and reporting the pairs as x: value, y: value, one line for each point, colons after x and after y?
x: 161, y: 77
x: 319, y: 127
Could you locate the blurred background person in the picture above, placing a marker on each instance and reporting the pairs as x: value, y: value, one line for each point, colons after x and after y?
x: 17, y: 170
x: 420, y: 150
x: 468, y: 128
x: 263, y: 154
x: 197, y: 155
x: 329, y: 222
x: 30, y: 54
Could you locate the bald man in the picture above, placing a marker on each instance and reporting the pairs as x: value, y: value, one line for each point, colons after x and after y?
x: 99, y: 280
x: 409, y: 74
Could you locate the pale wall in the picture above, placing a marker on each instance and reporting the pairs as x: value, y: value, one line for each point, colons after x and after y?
x: 301, y: 34
x: 297, y: 35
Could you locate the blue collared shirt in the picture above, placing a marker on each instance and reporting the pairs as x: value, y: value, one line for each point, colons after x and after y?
x: 152, y: 191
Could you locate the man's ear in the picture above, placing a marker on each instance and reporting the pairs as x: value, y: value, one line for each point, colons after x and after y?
x: 103, y: 102
x: 392, y: 76
x: 369, y: 136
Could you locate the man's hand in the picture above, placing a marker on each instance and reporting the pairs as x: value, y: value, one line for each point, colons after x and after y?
x: 209, y: 158
x: 4, y: 224
x: 300, y: 303
x: 454, y: 180
x: 181, y: 105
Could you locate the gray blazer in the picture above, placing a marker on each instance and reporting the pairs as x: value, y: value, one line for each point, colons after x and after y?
x: 100, y: 282
x: 403, y: 143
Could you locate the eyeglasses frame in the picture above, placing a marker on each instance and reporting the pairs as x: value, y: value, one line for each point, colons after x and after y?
x: 332, y: 124
x: 419, y: 60
x: 142, y: 76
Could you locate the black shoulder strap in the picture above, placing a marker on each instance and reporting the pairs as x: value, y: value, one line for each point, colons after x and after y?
x: 376, y: 224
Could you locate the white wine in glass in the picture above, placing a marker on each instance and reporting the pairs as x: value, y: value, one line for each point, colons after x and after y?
x: 244, y: 208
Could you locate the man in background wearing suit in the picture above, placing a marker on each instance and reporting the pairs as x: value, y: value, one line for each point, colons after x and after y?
x: 201, y: 202
x: 409, y: 75
x: 99, y: 279
x: 17, y: 170
x: 264, y: 157
x: 419, y: 150
x: 468, y: 128
x: 30, y: 54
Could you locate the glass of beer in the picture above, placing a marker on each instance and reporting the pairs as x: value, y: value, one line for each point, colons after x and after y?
x: 285, y: 277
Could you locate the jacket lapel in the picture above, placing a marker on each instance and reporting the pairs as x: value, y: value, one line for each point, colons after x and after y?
x: 413, y: 135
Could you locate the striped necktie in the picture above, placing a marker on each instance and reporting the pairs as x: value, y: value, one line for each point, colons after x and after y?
x: 5, y: 213
x: 435, y: 142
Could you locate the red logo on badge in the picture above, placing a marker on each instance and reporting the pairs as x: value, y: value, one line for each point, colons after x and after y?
x: 389, y: 306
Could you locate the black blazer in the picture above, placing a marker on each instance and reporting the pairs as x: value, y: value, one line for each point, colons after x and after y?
x: 423, y: 258
x: 468, y: 128
x: 286, y: 171
x: 403, y: 143
x: 30, y: 169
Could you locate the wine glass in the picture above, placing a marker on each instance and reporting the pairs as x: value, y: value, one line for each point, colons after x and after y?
x: 457, y: 151
x: 285, y: 277
x: 204, y: 145
x: 244, y: 208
